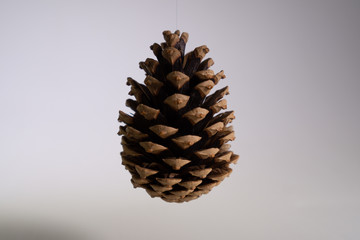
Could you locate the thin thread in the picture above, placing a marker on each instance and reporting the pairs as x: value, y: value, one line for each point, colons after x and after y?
x: 176, y: 5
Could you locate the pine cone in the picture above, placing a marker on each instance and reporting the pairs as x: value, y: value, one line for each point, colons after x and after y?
x: 175, y: 144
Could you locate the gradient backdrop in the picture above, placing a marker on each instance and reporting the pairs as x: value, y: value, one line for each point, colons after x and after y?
x: 293, y: 68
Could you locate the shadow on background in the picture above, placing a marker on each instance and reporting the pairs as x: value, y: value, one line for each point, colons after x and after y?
x: 37, y: 231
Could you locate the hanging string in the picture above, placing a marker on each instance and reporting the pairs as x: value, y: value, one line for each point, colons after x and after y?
x: 176, y: 15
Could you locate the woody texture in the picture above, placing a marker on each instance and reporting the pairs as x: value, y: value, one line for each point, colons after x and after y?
x: 175, y: 143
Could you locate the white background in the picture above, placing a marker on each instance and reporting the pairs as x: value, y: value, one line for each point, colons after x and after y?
x: 293, y: 70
